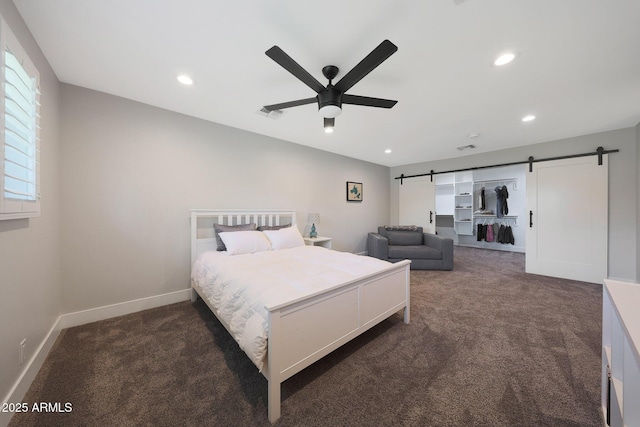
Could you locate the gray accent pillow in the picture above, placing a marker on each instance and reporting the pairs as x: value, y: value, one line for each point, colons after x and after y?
x: 226, y: 228
x: 273, y: 227
x: 405, y: 238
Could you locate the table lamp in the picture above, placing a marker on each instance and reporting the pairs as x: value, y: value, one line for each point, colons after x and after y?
x: 313, y: 219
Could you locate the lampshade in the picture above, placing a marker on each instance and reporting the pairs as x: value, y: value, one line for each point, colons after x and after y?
x: 313, y: 218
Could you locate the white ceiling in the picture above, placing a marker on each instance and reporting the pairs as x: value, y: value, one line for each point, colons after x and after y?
x: 577, y: 67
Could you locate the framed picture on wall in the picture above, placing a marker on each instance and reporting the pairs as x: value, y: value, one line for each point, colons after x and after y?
x: 354, y: 191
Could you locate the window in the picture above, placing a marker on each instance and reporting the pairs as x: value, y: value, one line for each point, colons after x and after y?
x: 19, y: 131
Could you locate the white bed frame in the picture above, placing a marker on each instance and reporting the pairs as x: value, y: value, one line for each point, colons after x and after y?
x: 304, y: 330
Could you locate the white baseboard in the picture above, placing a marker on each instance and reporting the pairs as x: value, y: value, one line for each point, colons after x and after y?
x: 120, y: 309
x: 33, y: 365
x: 20, y: 388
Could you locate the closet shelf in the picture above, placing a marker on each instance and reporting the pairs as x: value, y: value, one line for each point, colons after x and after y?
x: 489, y: 182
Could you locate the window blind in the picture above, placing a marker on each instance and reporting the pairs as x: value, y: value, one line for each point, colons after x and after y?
x: 19, y: 131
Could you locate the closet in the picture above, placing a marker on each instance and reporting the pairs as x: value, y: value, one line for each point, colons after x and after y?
x: 463, y: 203
x: 461, y: 215
x: 556, y: 211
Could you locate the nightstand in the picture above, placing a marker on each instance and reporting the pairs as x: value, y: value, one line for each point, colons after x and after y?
x: 325, y: 242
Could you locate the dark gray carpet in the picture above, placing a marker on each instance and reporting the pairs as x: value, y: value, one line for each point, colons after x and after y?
x: 488, y: 345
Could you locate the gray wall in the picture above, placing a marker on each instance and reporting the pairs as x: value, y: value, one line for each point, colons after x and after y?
x: 132, y: 172
x: 638, y: 202
x: 624, y: 221
x: 30, y: 248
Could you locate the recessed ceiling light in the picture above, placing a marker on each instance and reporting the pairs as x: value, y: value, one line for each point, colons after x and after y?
x: 185, y: 80
x: 473, y: 135
x: 528, y: 118
x: 388, y: 150
x: 504, y: 59
x: 328, y: 129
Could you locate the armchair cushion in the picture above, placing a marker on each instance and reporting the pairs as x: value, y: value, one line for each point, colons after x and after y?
x: 414, y: 252
x: 404, y: 238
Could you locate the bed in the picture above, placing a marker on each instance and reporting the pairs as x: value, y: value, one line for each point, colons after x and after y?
x: 359, y: 293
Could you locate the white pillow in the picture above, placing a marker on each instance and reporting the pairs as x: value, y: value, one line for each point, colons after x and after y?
x: 284, y: 238
x: 245, y: 242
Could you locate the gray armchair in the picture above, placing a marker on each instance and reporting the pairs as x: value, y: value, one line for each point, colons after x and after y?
x: 426, y: 251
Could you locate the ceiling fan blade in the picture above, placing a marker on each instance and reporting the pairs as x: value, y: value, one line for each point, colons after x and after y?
x: 371, y: 61
x: 367, y: 101
x: 294, y: 68
x: 290, y: 104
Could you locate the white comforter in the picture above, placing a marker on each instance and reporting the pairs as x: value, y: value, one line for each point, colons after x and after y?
x: 240, y: 286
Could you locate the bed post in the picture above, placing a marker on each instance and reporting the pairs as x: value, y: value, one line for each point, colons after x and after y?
x: 193, y: 220
x: 273, y: 356
x: 407, y: 310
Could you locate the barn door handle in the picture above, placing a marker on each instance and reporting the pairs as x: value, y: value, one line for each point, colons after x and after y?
x: 530, y: 219
x: 430, y: 217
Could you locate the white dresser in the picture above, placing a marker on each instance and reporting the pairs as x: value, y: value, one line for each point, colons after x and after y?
x: 621, y: 353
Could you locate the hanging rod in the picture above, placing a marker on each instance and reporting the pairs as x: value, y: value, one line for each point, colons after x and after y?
x: 504, y: 181
x: 599, y: 152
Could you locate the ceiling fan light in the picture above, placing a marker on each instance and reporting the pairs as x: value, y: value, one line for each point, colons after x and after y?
x: 329, y: 123
x: 330, y: 111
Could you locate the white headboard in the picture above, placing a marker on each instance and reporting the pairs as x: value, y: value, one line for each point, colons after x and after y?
x: 203, y: 236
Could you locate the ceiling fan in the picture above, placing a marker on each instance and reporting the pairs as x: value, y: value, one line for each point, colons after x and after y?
x: 331, y: 97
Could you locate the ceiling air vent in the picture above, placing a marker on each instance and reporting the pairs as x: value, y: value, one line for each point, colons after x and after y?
x: 274, y: 114
x: 464, y: 147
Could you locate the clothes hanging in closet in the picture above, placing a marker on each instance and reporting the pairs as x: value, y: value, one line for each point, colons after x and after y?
x: 481, y: 200
x: 498, y: 233
x: 502, y: 195
x: 481, y: 232
x: 489, y: 233
x: 505, y: 235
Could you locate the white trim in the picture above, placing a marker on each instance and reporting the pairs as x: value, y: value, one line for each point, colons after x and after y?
x: 69, y: 320
x: 120, y: 309
x: 21, y: 386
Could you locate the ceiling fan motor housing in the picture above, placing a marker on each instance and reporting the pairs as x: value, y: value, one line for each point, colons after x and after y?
x: 329, y: 102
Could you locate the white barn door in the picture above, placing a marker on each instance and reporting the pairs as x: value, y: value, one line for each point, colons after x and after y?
x: 567, y: 209
x: 418, y: 203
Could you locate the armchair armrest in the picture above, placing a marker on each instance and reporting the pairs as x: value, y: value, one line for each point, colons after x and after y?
x: 443, y: 244
x: 433, y: 241
x: 377, y: 246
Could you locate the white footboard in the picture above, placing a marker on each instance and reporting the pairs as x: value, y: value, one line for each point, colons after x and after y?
x: 304, y: 331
